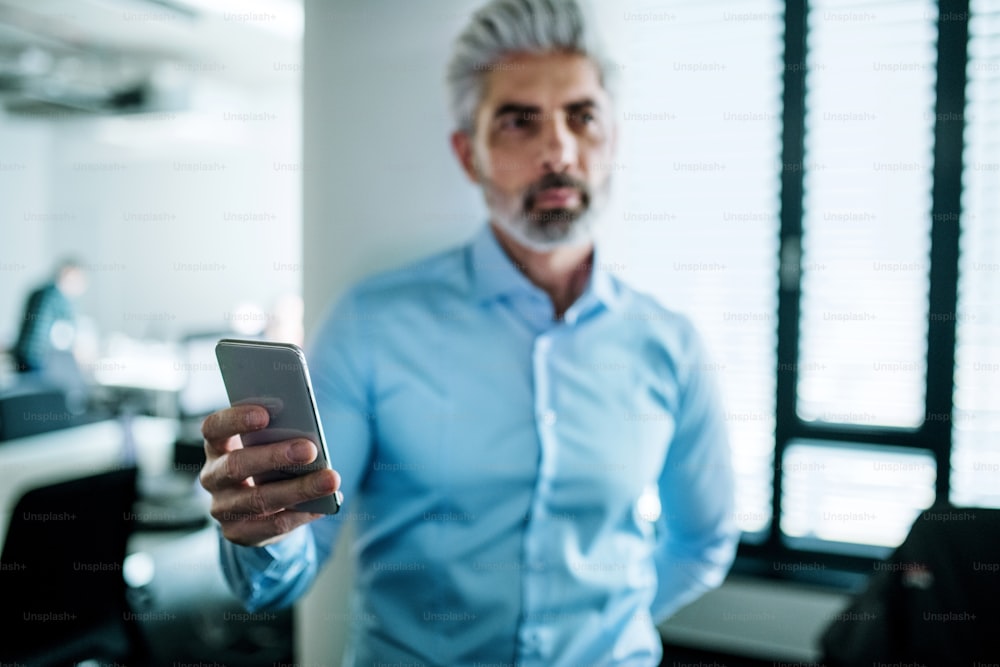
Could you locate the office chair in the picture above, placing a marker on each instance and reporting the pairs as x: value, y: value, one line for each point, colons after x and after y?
x: 933, y: 602
x: 64, y: 597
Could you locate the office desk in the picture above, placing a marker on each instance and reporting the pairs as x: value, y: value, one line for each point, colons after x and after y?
x: 79, y: 451
x: 756, y: 618
x: 180, y: 599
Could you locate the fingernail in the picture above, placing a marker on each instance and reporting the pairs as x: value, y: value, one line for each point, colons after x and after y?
x: 253, y: 419
x: 300, y: 452
x: 326, y: 484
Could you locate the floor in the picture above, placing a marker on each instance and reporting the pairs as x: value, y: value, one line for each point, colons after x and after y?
x: 674, y: 656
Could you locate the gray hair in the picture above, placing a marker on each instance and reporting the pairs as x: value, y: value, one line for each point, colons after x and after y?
x: 504, y: 27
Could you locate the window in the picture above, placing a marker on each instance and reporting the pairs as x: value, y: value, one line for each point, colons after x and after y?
x: 866, y: 213
x: 852, y: 494
x: 975, y: 427
x: 814, y: 183
x: 864, y: 284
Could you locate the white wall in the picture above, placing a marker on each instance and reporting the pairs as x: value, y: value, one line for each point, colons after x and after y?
x: 168, y: 237
x: 23, y: 237
x: 380, y: 186
x: 181, y: 216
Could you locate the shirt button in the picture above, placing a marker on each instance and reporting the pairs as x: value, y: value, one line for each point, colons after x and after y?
x: 549, y: 417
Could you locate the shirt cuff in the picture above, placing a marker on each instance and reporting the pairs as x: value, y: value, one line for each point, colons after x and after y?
x: 258, y: 575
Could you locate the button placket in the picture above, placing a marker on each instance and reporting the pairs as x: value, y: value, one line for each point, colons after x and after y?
x: 532, y: 633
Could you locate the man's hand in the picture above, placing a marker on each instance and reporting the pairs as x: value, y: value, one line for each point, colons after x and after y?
x: 255, y: 515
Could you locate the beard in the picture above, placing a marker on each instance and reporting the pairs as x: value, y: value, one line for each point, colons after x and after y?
x: 545, y: 229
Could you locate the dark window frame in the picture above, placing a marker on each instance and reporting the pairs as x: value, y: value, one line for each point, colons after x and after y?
x: 771, y: 557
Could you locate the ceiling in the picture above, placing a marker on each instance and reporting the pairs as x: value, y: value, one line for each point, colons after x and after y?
x: 118, y: 56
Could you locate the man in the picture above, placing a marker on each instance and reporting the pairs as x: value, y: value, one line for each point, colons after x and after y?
x: 506, y: 416
x: 48, y: 326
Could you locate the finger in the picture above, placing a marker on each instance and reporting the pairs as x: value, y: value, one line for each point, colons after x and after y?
x: 219, y: 427
x: 268, y: 529
x: 233, y: 468
x: 251, y: 502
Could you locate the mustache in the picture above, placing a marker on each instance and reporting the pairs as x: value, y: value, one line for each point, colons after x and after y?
x: 553, y: 180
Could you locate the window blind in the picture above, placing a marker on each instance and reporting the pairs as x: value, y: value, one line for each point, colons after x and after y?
x: 864, y: 291
x: 696, y: 224
x: 975, y: 475
x: 866, y: 222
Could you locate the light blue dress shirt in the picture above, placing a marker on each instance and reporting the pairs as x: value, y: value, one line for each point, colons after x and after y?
x: 504, y: 469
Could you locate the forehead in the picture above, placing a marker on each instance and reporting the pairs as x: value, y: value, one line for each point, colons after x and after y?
x: 542, y: 79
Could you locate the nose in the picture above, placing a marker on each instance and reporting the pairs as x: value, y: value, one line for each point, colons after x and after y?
x: 559, y: 148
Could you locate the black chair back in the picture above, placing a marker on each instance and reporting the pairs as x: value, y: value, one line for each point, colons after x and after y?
x: 64, y: 594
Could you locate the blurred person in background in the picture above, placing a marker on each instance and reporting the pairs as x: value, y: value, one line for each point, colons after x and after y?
x: 49, y: 322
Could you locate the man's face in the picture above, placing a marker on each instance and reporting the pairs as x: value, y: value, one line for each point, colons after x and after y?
x: 73, y: 282
x: 542, y: 148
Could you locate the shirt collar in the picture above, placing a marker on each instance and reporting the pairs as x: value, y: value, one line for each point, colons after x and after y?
x: 495, y: 275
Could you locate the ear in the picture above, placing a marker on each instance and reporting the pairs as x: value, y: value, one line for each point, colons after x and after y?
x: 461, y: 144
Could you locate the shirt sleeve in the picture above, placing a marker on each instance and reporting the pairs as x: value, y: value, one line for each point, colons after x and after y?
x: 697, y: 533
x: 275, y: 575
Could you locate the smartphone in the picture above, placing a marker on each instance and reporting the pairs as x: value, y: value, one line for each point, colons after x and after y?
x: 275, y: 376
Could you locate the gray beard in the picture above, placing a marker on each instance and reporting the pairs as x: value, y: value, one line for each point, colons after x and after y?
x: 546, y: 230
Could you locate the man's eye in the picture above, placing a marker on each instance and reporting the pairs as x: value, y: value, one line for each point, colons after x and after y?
x: 584, y: 118
x: 513, y: 122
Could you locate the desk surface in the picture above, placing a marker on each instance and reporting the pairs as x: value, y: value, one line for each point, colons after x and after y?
x: 79, y: 451
x: 756, y: 618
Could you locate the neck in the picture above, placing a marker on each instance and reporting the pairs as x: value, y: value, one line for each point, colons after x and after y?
x: 562, y: 273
